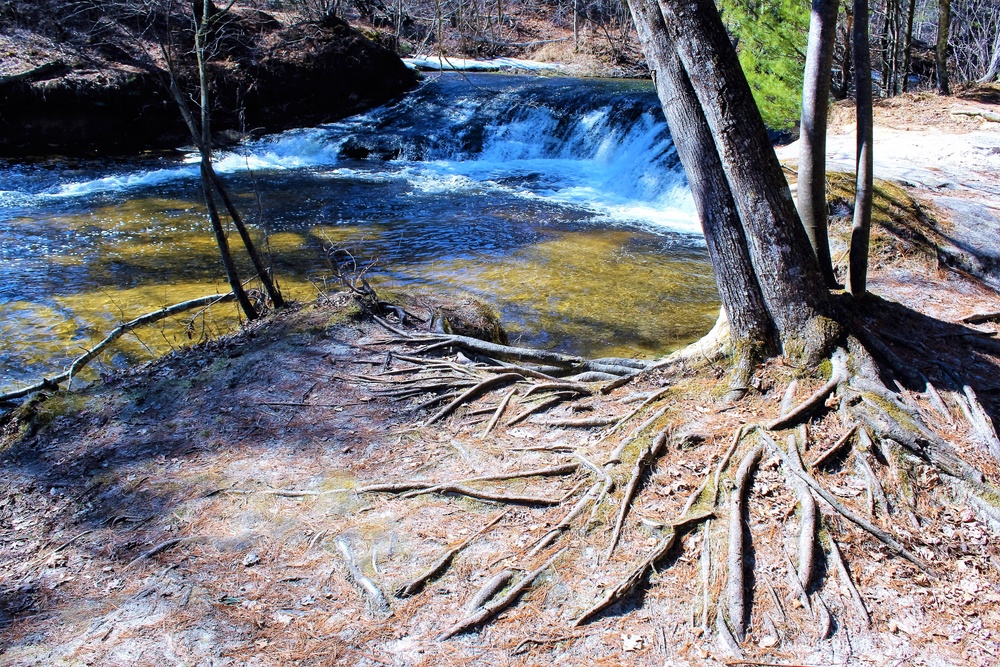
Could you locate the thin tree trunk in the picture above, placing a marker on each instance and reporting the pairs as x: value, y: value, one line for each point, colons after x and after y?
x: 232, y: 275
x: 908, y: 44
x: 200, y: 138
x: 994, y: 68
x: 861, y: 230
x: 783, y: 260
x: 751, y: 327
x: 941, y: 52
x: 812, y: 139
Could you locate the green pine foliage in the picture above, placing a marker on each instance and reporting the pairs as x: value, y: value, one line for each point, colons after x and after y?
x: 771, y: 38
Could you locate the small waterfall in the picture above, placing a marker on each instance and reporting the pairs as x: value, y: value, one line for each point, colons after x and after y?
x: 597, y: 144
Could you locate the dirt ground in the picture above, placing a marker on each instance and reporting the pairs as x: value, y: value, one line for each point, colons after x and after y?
x: 218, y: 506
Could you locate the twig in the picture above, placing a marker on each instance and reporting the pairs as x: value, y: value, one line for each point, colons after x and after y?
x: 489, y: 611
x: 736, y: 587
x: 564, y: 525
x: 724, y: 461
x: 486, y: 384
x: 441, y: 563
x: 636, y: 574
x: 493, y: 497
x: 646, y: 460
x: 498, y: 413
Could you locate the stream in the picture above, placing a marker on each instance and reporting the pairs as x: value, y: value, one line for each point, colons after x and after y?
x: 559, y: 201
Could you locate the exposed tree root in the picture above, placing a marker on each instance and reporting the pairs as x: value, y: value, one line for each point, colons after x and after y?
x: 736, y: 563
x: 883, y: 425
x: 374, y: 594
x: 489, y: 611
x: 441, y: 564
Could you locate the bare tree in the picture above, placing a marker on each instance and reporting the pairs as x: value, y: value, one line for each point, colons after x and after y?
x: 941, y: 50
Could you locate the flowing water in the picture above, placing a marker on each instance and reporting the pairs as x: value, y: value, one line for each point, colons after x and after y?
x: 559, y: 201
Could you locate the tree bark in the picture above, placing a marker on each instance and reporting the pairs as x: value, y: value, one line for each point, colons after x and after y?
x: 812, y: 138
x: 908, y: 44
x: 994, y: 68
x: 751, y: 327
x: 861, y: 231
x: 783, y: 261
x: 941, y: 52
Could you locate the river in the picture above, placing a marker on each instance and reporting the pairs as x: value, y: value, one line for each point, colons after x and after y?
x: 559, y: 201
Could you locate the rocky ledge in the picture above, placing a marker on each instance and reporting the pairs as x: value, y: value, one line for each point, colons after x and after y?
x: 97, y: 82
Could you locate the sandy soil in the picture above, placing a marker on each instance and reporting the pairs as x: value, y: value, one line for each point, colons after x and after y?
x: 213, y: 507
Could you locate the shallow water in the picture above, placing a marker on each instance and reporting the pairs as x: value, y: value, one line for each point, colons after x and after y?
x: 559, y: 201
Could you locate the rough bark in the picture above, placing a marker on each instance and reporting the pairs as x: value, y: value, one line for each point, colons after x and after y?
x: 812, y: 141
x: 752, y: 329
x: 858, y: 264
x: 783, y: 261
x: 941, y: 51
x: 908, y: 44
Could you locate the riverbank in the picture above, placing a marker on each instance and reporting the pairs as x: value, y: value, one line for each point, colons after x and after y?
x: 210, y: 506
x: 95, y: 81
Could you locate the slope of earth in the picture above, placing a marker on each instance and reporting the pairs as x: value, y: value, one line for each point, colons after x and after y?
x: 262, y: 499
x: 79, y: 79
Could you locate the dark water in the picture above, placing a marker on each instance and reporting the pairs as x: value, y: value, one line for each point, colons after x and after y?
x: 559, y: 201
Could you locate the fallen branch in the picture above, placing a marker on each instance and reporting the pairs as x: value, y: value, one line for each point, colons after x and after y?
x: 441, y: 563
x: 159, y: 548
x: 118, y: 332
x: 985, y: 115
x: 489, y: 611
x: 981, y: 318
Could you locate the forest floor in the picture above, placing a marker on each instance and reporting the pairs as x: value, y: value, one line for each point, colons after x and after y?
x: 218, y: 507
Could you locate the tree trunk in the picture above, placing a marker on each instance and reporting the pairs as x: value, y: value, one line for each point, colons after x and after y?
x: 785, y: 266
x: 751, y: 327
x: 994, y: 68
x: 941, y: 52
x: 861, y: 230
x: 812, y: 139
x: 908, y: 44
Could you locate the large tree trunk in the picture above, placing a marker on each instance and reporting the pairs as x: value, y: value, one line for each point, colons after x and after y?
x: 941, y: 52
x: 784, y: 263
x: 751, y: 327
x: 812, y: 139
x: 858, y: 267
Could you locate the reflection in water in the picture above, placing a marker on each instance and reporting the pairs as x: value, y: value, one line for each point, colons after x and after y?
x: 568, y: 214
